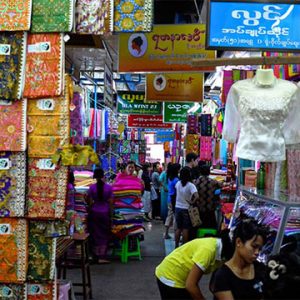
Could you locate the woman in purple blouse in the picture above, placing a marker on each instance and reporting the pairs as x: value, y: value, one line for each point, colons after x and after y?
x: 100, y: 214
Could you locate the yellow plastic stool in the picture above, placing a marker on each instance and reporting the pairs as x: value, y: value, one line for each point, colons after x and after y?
x: 203, y: 232
x: 124, y: 252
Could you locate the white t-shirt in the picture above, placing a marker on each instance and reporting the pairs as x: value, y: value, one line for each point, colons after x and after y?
x: 184, y: 194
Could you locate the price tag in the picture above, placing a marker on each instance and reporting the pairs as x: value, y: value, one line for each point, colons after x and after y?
x: 5, y: 228
x: 46, y: 164
x: 5, y: 164
x: 42, y: 47
x: 46, y: 104
x: 5, y: 49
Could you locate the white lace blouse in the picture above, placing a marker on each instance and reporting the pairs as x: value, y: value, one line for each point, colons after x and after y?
x: 266, y: 117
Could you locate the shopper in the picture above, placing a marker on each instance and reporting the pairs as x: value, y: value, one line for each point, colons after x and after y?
x: 242, y: 276
x: 146, y: 198
x: 192, y: 162
x: 156, y: 186
x: 186, y: 193
x: 100, y: 214
x: 179, y: 274
x: 163, y: 192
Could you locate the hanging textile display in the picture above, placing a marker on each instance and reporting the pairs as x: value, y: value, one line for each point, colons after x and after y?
x: 15, y: 15
x: 192, y: 143
x: 13, y: 291
x: 13, y: 125
x: 42, y: 291
x: 192, y: 124
x: 12, y: 64
x: 13, y: 250
x: 133, y: 15
x: 205, y: 148
x: 47, y: 189
x: 52, y: 16
x: 76, y: 119
x: 12, y: 184
x: 206, y: 125
x: 41, y: 257
x: 293, y: 159
x: 44, y: 65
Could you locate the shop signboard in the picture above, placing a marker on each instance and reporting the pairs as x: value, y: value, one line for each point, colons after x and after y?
x: 176, y: 112
x: 253, y: 25
x: 134, y: 103
x: 163, y: 136
x: 167, y: 48
x: 147, y: 121
x: 174, y: 87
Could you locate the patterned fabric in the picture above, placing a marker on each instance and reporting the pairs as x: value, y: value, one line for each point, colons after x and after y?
x: 38, y: 291
x: 41, y: 259
x: 206, y: 124
x: 192, y: 124
x: 12, y: 64
x: 133, y: 15
x: 44, y: 65
x: 52, y: 16
x: 47, y: 189
x: 76, y: 118
x: 13, y: 250
x: 293, y: 158
x: 192, y: 143
x: 13, y: 291
x: 12, y: 184
x: 205, y: 148
x: 13, y: 125
x: 15, y: 15
x: 48, y: 125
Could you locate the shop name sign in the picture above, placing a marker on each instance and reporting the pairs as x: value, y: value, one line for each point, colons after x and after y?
x: 146, y: 121
x: 133, y: 103
x: 176, y: 111
x: 260, y: 25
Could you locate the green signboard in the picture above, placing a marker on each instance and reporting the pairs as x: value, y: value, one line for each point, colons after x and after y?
x: 176, y: 112
x: 133, y: 103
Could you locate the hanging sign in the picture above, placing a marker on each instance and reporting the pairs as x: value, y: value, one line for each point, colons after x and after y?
x: 261, y: 25
x: 176, y: 112
x: 174, y: 87
x: 167, y: 48
x: 133, y: 103
x: 147, y: 121
x: 163, y: 136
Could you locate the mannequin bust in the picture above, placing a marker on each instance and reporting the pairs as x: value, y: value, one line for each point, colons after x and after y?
x: 265, y: 76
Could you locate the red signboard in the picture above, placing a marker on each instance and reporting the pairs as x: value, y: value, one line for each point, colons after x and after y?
x: 147, y: 121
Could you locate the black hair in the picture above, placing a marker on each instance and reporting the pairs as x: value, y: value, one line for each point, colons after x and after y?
x: 191, y: 156
x: 155, y: 166
x: 204, y: 170
x: 71, y: 177
x: 145, y: 167
x: 227, y: 245
x: 172, y: 171
x: 138, y: 40
x: 185, y: 176
x: 130, y: 162
x: 99, y: 174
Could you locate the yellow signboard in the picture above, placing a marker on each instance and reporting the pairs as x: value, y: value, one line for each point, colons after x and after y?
x: 174, y: 87
x: 168, y: 48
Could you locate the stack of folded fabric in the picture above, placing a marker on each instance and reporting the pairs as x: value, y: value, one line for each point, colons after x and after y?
x: 128, y: 214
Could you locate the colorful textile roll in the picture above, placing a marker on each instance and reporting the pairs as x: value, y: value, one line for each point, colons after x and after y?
x: 12, y: 64
x: 15, y: 15
x: 13, y: 250
x: 13, y: 291
x: 47, y: 189
x: 13, y: 125
x: 133, y: 15
x: 41, y: 257
x: 44, y: 65
x: 42, y: 291
x: 12, y: 184
x: 52, y: 16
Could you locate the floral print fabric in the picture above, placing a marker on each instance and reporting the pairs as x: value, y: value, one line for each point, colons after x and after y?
x: 12, y: 184
x: 38, y: 291
x: 13, y: 250
x: 12, y: 291
x: 13, y: 125
x: 12, y: 64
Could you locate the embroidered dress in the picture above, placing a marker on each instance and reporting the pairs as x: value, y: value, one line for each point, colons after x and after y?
x: 15, y: 15
x: 13, y: 291
x: 47, y: 189
x: 13, y: 250
x: 52, y: 16
x: 12, y: 64
x: 13, y: 125
x: 44, y: 65
x: 41, y: 291
x: 133, y: 15
x: 12, y: 184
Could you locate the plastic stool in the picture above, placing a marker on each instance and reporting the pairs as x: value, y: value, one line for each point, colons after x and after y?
x: 203, y: 232
x: 126, y: 250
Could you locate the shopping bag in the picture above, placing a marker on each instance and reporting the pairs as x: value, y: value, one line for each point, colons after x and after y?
x: 194, y: 216
x: 153, y: 194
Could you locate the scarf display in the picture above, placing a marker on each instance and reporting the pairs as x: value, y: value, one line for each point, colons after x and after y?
x: 133, y: 15
x: 13, y: 250
x: 52, y: 16
x: 47, y: 189
x: 15, y: 15
x: 13, y: 125
x: 192, y: 124
x: 13, y: 291
x: 41, y: 259
x: 42, y: 291
x: 192, y: 143
x: 12, y: 184
x: 12, y: 64
x: 44, y: 65
x: 205, y: 148
x: 48, y: 125
x: 206, y: 124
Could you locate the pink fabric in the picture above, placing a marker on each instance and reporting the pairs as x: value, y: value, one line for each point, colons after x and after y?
x: 206, y: 148
x: 124, y: 181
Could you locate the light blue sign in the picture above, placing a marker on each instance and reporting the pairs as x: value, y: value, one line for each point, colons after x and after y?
x: 164, y: 136
x: 254, y: 25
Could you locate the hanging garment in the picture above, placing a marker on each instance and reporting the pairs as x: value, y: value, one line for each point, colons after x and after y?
x: 15, y: 15
x: 13, y: 125
x: 42, y: 291
x: 41, y: 257
x: 47, y: 189
x: 13, y: 291
x: 293, y: 159
x: 12, y: 184
x: 44, y: 65
x: 192, y: 143
x: 12, y: 64
x: 52, y: 16
x: 205, y: 148
x: 206, y: 125
x: 76, y: 120
x: 13, y: 250
x: 133, y: 15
